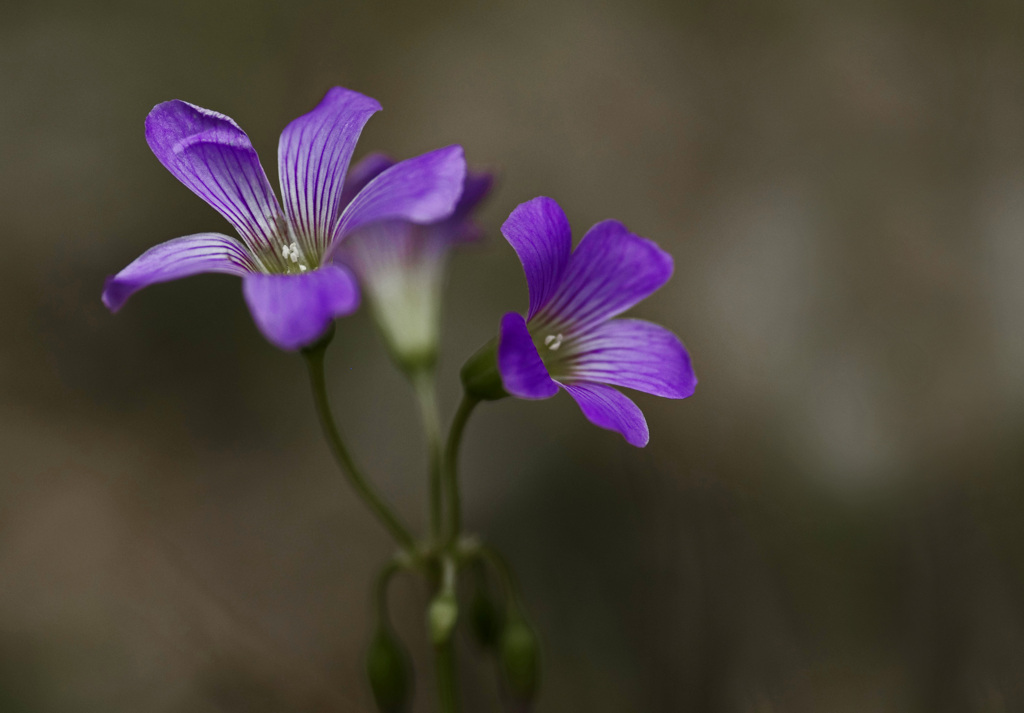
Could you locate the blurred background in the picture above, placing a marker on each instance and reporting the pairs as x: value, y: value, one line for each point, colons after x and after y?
x: 832, y: 523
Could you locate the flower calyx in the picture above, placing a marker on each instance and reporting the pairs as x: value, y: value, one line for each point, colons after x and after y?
x: 481, y: 379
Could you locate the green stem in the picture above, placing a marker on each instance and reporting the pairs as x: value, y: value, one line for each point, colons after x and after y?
x: 444, y: 653
x: 380, y: 587
x: 451, y: 465
x: 315, y: 362
x: 444, y: 661
x: 426, y: 393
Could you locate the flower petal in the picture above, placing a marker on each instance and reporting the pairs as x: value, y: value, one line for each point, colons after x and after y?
x: 610, y: 271
x: 459, y: 227
x: 635, y: 354
x: 293, y: 311
x: 522, y: 371
x: 211, y: 155
x: 605, y: 407
x: 540, y: 234
x: 423, y: 189
x: 181, y: 257
x: 474, y: 189
x: 313, y: 157
x: 367, y: 169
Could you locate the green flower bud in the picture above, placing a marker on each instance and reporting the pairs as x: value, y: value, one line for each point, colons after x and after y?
x: 485, y: 619
x: 480, y: 377
x: 389, y: 671
x: 441, y: 616
x: 519, y: 658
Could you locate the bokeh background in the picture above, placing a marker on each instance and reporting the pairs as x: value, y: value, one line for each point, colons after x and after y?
x: 832, y: 523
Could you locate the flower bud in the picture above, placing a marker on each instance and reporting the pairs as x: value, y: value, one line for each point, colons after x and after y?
x: 441, y: 616
x: 389, y: 671
x: 519, y: 658
x: 480, y: 377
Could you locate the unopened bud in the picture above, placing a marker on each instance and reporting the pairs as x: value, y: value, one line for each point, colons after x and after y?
x: 480, y: 377
x: 519, y: 658
x: 441, y: 616
x: 391, y: 677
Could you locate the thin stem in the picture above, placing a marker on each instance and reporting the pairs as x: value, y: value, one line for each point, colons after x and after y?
x: 444, y: 652
x: 426, y: 393
x: 451, y: 465
x: 447, y: 686
x: 315, y: 361
x: 380, y: 586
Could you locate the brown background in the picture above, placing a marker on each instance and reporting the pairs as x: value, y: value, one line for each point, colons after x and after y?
x: 833, y: 523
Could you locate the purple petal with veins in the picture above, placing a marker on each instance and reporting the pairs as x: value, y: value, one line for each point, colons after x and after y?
x: 313, y: 157
x: 540, y: 234
x: 423, y: 189
x: 610, y: 271
x: 635, y: 354
x: 211, y: 155
x: 605, y: 407
x: 175, y: 259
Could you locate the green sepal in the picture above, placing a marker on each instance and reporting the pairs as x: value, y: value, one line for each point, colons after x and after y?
x: 390, y: 672
x: 480, y: 376
x: 318, y: 347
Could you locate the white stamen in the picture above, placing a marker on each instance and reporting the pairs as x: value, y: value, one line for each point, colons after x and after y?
x: 553, y: 341
x: 290, y: 252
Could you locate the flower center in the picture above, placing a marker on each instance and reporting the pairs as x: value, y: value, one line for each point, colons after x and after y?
x: 556, y: 351
x: 557, y: 348
x: 286, y: 253
x: 294, y: 260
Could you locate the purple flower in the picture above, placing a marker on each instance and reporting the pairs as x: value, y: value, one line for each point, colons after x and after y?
x: 400, y: 265
x: 293, y: 288
x: 568, y: 338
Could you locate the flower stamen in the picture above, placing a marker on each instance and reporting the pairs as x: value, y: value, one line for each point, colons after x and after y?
x: 294, y: 259
x: 554, y: 341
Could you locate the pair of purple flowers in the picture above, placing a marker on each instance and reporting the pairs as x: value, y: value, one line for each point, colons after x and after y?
x: 388, y: 227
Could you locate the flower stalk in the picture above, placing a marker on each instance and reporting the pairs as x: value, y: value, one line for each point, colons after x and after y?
x: 426, y: 395
x: 447, y: 683
x: 314, y: 356
x: 442, y: 615
x: 451, y: 465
